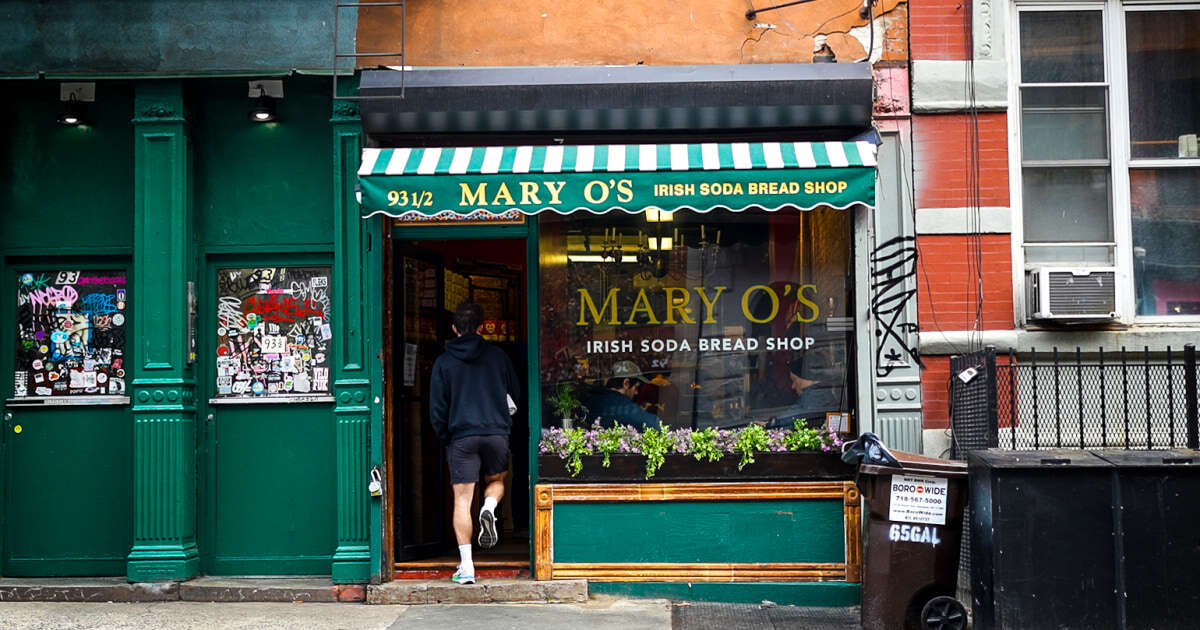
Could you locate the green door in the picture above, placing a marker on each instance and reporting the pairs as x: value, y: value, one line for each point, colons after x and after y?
x: 68, y: 497
x: 268, y: 491
x: 66, y: 440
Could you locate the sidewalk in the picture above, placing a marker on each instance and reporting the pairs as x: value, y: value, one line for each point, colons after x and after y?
x: 598, y: 614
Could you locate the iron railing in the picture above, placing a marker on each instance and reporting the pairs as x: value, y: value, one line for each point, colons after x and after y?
x: 1140, y: 399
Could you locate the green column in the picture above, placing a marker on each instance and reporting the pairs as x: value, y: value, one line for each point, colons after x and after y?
x: 163, y: 386
x: 352, y: 376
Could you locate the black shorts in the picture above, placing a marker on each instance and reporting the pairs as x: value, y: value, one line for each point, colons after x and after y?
x: 467, y: 455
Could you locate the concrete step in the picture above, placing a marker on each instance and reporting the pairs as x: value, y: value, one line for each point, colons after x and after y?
x: 113, y: 589
x: 485, y: 592
x: 223, y: 589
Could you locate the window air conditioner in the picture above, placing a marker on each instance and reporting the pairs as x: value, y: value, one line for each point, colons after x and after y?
x: 1072, y: 294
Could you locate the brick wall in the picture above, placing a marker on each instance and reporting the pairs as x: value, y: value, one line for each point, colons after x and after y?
x: 942, y: 168
x: 935, y: 392
x: 936, y: 28
x: 946, y: 282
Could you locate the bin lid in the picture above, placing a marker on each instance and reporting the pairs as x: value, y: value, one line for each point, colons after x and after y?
x: 913, y: 463
x: 1049, y: 458
x: 1174, y: 458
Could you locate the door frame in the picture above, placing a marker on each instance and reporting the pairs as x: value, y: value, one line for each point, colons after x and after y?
x: 528, y: 231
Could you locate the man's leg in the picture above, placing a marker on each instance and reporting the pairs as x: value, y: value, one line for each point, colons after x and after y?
x: 463, y: 494
x: 489, y: 534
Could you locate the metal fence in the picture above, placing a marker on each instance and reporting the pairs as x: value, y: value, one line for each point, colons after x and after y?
x: 1099, y: 398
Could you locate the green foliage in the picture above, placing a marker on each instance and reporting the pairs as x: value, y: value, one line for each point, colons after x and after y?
x: 749, y: 441
x: 565, y: 401
x: 610, y: 440
x: 655, y: 444
x: 576, y: 447
x: 705, y: 446
x: 802, y: 438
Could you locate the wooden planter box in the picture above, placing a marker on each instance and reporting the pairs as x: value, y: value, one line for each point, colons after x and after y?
x: 624, y: 468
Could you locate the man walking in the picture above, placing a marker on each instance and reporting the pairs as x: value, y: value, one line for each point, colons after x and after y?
x: 469, y: 396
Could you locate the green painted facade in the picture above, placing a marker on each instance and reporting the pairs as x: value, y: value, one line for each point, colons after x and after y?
x: 171, y: 181
x: 700, y: 531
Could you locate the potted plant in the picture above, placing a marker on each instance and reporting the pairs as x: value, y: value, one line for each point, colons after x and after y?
x: 566, y: 404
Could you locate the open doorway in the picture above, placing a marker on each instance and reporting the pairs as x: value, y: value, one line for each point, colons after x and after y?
x: 429, y: 279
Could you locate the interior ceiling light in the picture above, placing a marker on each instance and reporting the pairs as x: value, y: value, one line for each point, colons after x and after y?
x: 75, y: 97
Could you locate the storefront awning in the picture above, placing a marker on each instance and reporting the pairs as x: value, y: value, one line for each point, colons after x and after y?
x: 629, y: 178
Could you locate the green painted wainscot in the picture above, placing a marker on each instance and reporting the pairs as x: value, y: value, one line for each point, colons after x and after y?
x: 790, y: 542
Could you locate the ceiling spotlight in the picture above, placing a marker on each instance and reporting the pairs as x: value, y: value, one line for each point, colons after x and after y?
x: 264, y: 107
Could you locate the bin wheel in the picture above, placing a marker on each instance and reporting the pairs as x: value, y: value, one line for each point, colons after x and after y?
x: 943, y: 613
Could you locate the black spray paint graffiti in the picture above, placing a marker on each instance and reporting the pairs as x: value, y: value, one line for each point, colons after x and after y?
x: 893, y: 264
x: 273, y: 331
x: 70, y: 333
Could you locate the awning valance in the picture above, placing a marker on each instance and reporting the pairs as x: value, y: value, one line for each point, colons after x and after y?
x: 630, y: 178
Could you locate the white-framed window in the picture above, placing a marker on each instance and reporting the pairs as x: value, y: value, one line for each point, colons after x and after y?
x: 1104, y: 115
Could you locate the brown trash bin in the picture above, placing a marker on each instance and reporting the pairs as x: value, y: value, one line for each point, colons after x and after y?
x: 912, y: 547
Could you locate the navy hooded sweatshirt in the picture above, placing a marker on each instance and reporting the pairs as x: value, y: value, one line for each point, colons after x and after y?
x: 469, y: 389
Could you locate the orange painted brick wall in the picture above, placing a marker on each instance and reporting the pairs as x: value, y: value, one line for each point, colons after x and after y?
x: 936, y: 28
x: 946, y: 282
x: 935, y: 392
x: 941, y: 143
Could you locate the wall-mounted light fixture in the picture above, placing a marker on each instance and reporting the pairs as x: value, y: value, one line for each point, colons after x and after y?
x: 264, y: 94
x: 75, y: 97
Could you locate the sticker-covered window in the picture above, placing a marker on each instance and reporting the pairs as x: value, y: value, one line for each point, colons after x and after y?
x: 273, y: 333
x: 71, y: 331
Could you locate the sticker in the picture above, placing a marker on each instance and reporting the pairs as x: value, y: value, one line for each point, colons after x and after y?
x: 917, y: 499
x: 120, y: 372
x: 59, y: 336
x: 37, y: 364
x: 118, y: 319
x: 914, y: 533
x: 120, y: 297
x: 38, y: 378
x: 26, y: 279
x: 221, y: 332
x: 318, y: 281
x: 44, y: 391
x: 222, y: 351
x: 287, y: 363
x: 273, y: 329
x: 120, y: 306
x: 274, y: 344
x: 53, y: 376
x: 20, y: 384
x: 116, y: 386
x: 300, y: 339
x: 44, y: 349
x: 101, y: 378
x: 326, y: 332
x: 17, y: 429
x: 257, y: 387
x: 301, y: 384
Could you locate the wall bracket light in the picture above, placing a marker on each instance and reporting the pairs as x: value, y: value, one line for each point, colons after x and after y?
x: 75, y: 97
x: 264, y: 93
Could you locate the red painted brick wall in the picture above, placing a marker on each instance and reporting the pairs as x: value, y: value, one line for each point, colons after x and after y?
x: 942, y: 168
x: 946, y: 282
x: 936, y: 29
x: 935, y: 392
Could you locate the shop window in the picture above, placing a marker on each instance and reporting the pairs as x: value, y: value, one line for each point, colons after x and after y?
x: 273, y: 333
x: 71, y: 332
x: 716, y: 319
x: 1099, y: 112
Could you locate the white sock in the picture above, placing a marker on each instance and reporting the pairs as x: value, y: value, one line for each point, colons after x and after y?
x: 489, y: 504
x: 465, y: 563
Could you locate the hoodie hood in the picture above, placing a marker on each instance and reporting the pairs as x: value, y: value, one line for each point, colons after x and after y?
x: 466, y: 348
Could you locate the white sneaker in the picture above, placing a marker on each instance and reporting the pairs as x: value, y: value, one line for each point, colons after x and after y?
x: 487, y: 529
x: 461, y: 578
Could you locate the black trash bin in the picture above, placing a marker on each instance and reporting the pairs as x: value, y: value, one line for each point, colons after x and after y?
x: 1159, y: 494
x: 914, y: 527
x: 1042, y: 547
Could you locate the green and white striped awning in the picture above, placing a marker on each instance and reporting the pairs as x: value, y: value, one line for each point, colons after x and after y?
x: 630, y: 178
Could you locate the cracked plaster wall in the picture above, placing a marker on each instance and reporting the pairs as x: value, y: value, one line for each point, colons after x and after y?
x: 487, y: 33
